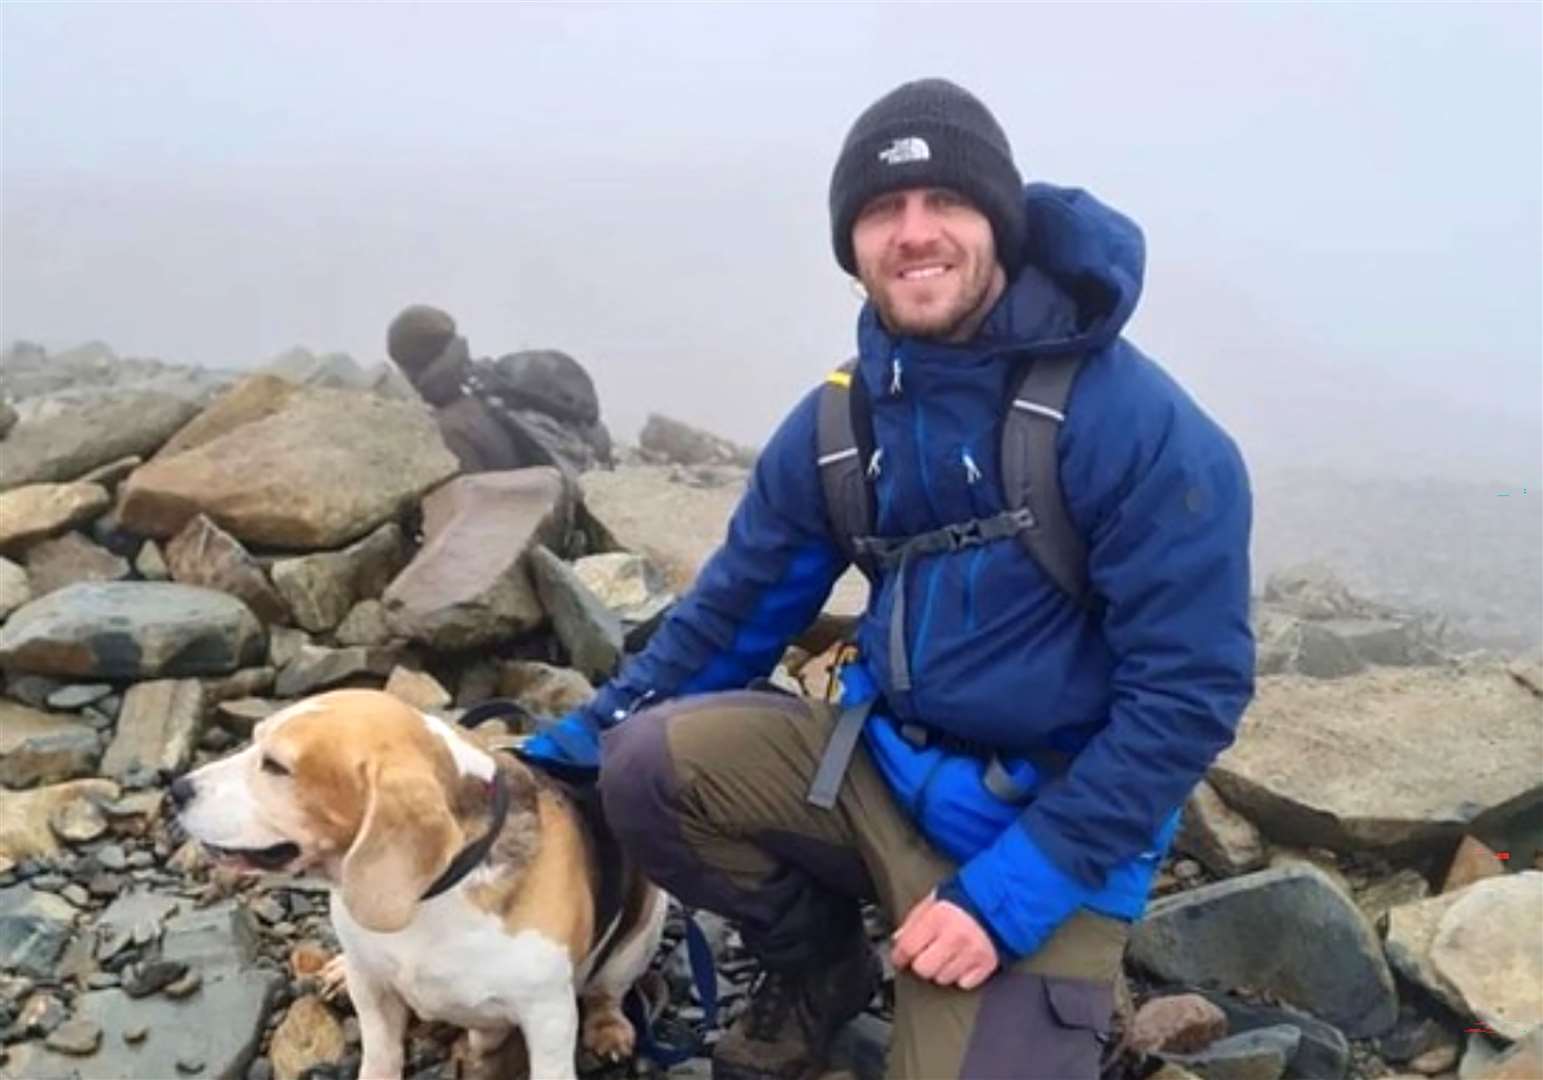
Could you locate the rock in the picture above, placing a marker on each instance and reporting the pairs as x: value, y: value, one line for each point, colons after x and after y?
x: 1488, y: 948
x: 63, y: 446
x: 590, y: 634
x: 468, y: 585
x: 1381, y: 641
x: 78, y: 822
x: 1321, y: 858
x: 1226, y: 935
x: 309, y: 1035
x: 38, y: 748
x: 285, y: 645
x: 543, y: 689
x: 317, y: 668
x: 243, y: 714
x: 1218, y: 835
x: 77, y: 1037
x: 150, y: 564
x: 672, y: 441
x: 323, y: 471
x: 303, y: 368
x: 246, y: 683
x: 1253, y: 1055
x: 1411, y: 930
x: 1472, y: 861
x: 626, y: 583
x: 419, y: 689
x: 38, y: 510
x: 129, y: 630
x: 111, y: 474
x: 8, y: 419
x: 1299, y: 767
x: 1323, y: 1052
x: 24, y: 816
x: 365, y: 624
x: 1523, y: 1060
x: 14, y: 587
x: 1310, y: 591
x: 78, y: 696
x: 1323, y: 654
x: 1436, y: 1060
x: 1180, y: 1024
x: 70, y: 560
x: 204, y: 554
x: 1406, y: 886
x: 35, y: 929
x: 253, y: 398
x: 158, y: 727
x: 321, y: 589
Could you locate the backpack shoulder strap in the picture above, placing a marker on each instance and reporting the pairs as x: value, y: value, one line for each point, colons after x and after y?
x: 1031, y: 474
x: 844, y: 438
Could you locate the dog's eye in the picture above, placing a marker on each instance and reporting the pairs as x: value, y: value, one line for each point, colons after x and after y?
x: 271, y: 766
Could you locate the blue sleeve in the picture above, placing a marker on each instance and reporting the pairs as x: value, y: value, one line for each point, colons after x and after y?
x: 762, y: 587
x: 1163, y: 495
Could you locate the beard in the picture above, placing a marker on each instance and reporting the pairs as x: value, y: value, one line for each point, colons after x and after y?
x: 908, y: 311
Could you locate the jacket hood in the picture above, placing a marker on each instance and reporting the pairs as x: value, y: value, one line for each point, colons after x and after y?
x: 1077, y: 289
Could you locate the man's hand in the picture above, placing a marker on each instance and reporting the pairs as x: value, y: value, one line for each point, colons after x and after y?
x: 941, y: 942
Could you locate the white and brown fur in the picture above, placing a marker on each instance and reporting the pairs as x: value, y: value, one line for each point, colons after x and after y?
x: 379, y: 797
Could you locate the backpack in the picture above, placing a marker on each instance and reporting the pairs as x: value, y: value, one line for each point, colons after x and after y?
x: 1036, y: 512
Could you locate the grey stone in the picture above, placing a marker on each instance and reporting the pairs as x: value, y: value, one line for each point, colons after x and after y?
x: 322, y: 588
x: 240, y: 716
x: 77, y: 1037
x: 468, y: 584
x: 1405, y: 886
x: 317, y: 668
x: 204, y: 554
x: 68, y: 560
x: 1253, y: 1055
x: 35, y: 928
x: 681, y: 444
x: 40, y: 748
x: 1323, y: 654
x: 78, y: 696
x: 1229, y: 935
x: 324, y: 470
x: 15, y: 590
x: 70, y: 443
x: 1381, y: 641
x: 31, y: 689
x: 1371, y: 761
x: 365, y: 624
x: 246, y: 683
x: 158, y: 728
x: 1322, y: 1054
x: 590, y: 634
x: 1488, y: 948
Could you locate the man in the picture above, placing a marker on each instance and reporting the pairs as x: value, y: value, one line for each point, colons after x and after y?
x: 1011, y: 913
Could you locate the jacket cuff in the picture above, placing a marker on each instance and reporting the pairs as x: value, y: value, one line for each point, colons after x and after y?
x: 952, y: 891
x: 1017, y: 893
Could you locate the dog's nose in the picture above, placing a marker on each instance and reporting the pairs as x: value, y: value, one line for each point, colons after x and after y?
x: 181, y: 792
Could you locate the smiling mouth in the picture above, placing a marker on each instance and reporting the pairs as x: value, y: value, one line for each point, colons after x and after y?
x: 273, y: 857
x: 922, y: 273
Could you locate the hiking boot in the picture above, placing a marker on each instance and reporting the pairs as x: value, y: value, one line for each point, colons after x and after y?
x: 793, y: 1018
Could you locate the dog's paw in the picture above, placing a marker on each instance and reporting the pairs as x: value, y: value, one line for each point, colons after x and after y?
x: 333, y: 978
x: 608, y: 1035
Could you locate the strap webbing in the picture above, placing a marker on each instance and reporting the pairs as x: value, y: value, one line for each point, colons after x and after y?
x: 838, y: 754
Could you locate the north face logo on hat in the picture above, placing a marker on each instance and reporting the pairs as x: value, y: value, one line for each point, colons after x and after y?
x: 904, y: 150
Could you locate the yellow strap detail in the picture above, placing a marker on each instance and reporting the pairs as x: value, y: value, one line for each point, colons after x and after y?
x: 840, y: 378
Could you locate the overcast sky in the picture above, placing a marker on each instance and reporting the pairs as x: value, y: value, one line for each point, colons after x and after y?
x: 1342, y: 203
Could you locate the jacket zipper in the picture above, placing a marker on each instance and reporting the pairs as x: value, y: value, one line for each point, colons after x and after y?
x: 972, y: 475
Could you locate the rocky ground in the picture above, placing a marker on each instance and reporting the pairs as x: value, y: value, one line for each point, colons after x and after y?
x: 1358, y: 884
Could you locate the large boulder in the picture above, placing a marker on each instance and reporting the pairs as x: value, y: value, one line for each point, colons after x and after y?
x: 1489, y: 949
x: 468, y: 585
x: 131, y: 630
x: 1381, y: 761
x: 64, y: 445
x: 37, y: 510
x: 253, y: 398
x: 670, y: 440
x: 1231, y: 934
x: 321, y: 472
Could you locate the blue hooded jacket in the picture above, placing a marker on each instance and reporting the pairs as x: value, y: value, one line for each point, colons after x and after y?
x: 1145, y: 693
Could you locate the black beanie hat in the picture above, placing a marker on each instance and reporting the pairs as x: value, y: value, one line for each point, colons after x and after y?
x: 929, y: 133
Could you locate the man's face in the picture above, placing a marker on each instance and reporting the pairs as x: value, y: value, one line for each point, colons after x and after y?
x: 928, y: 261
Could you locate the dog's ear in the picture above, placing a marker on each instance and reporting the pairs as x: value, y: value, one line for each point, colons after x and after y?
x: 407, y: 838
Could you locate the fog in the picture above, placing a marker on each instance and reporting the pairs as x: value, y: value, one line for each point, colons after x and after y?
x: 1342, y: 203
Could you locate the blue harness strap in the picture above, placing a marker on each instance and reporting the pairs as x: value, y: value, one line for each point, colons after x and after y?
x: 668, y: 1052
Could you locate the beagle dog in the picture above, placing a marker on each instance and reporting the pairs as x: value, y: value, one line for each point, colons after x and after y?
x: 466, y: 887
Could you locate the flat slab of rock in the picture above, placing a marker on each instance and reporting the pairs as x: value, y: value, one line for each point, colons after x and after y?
x: 131, y: 630
x: 205, y: 554
x: 1228, y: 935
x: 15, y: 589
x: 468, y: 585
x: 323, y: 471
x: 1489, y: 948
x: 68, y: 560
x: 39, y: 748
x: 253, y: 398
x: 65, y: 445
x: 37, y: 510
x: 590, y: 633
x: 678, y: 527
x: 1372, y: 762
x: 157, y: 728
